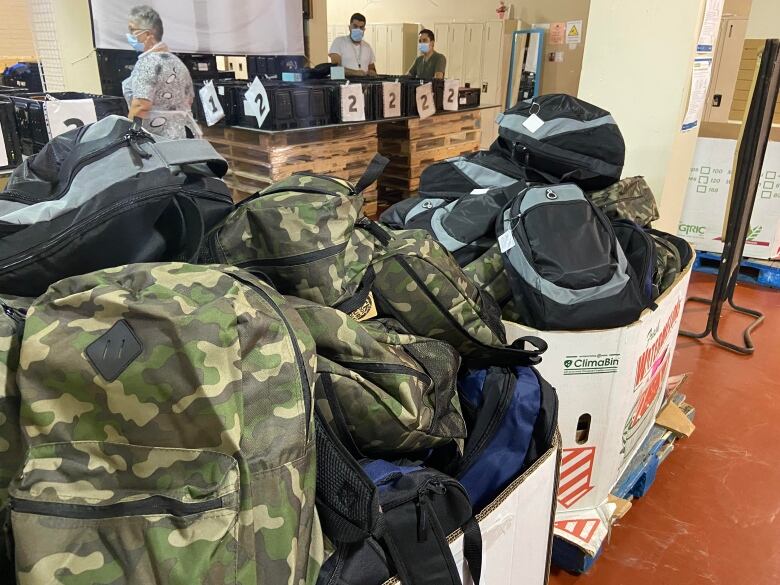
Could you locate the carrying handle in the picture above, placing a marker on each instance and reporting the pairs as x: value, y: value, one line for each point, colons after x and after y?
x: 374, y: 169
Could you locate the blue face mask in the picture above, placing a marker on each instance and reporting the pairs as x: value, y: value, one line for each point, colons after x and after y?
x: 135, y: 43
x: 424, y: 48
x: 356, y: 34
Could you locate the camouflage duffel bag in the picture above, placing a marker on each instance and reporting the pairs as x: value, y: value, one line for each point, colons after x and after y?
x: 630, y: 198
x: 300, y: 233
x: 167, y: 416
x: 417, y: 282
x: 386, y: 392
x: 11, y: 448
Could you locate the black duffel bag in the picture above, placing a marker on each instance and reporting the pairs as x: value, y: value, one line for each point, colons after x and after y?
x: 105, y: 195
x: 577, y: 142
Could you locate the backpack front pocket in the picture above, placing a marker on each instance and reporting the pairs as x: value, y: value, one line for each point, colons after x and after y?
x: 101, y: 512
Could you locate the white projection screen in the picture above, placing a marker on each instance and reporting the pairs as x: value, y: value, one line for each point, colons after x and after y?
x: 222, y: 27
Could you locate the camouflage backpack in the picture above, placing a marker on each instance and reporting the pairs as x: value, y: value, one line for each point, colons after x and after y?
x: 489, y: 274
x: 418, y: 283
x: 167, y: 416
x: 384, y: 391
x: 672, y: 255
x: 11, y: 448
x: 629, y: 198
x: 300, y: 233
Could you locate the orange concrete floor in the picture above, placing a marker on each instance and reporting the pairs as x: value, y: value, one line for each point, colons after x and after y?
x: 712, y: 517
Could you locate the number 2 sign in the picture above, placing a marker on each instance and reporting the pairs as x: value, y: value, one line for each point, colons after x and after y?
x: 451, y: 88
x: 353, y: 103
x: 256, y: 102
x: 65, y: 115
x: 425, y: 105
x: 391, y: 99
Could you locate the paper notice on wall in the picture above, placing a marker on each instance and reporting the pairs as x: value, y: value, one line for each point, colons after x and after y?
x: 573, y: 32
x: 64, y: 115
x: 710, y: 26
x: 557, y: 33
x: 700, y: 82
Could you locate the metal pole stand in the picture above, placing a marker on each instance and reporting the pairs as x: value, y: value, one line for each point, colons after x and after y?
x: 744, y: 186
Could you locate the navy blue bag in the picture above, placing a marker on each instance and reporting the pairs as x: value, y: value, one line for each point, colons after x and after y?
x: 639, y: 248
x: 511, y: 415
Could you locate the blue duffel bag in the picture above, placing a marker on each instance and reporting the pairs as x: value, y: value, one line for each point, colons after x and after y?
x: 512, y: 417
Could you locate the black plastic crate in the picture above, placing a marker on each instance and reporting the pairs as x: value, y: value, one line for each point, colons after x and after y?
x: 9, y: 90
x: 31, y: 121
x: 225, y: 95
x: 10, y: 134
x: 292, y: 106
x: 265, y: 66
x: 28, y: 77
x: 469, y: 97
x: 114, y: 66
x: 199, y: 64
x: 372, y: 96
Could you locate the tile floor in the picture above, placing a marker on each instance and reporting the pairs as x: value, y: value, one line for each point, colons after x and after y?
x: 713, y: 515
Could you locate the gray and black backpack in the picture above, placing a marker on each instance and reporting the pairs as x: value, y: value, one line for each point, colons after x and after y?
x: 566, y: 267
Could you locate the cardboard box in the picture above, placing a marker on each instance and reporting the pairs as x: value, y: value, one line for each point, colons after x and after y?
x: 517, y: 528
x: 704, y: 212
x: 610, y: 387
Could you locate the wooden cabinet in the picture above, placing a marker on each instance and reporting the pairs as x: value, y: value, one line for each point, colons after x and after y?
x: 442, y: 33
x: 456, y: 50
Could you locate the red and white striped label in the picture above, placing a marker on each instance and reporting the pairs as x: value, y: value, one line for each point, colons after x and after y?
x: 580, y: 529
x: 576, y: 471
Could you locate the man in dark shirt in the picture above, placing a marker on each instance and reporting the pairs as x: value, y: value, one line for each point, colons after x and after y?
x: 430, y: 64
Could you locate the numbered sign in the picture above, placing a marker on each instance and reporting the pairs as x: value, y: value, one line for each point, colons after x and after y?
x: 65, y: 115
x: 391, y: 99
x: 3, y: 152
x: 451, y: 87
x: 353, y: 103
x: 425, y: 105
x: 256, y: 102
x: 212, y: 108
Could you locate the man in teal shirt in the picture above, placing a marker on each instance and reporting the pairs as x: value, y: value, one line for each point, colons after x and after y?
x: 430, y: 64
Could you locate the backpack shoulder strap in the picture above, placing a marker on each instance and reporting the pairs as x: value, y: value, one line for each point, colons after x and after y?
x: 375, y: 168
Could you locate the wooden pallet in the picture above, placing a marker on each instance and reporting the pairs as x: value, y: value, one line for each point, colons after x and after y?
x: 413, y: 145
x: 258, y: 160
x: 759, y: 272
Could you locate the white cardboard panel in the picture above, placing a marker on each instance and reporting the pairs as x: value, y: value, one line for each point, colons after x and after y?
x: 706, y: 199
x: 616, y: 376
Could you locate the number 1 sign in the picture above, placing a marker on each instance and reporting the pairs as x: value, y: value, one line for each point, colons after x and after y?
x: 212, y: 108
x: 353, y: 103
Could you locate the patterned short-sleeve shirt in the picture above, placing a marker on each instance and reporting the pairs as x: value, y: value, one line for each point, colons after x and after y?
x: 163, y: 79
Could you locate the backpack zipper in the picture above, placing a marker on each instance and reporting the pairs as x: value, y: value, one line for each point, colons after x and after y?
x: 297, y: 260
x: 307, y: 406
x: 16, y: 315
x: 29, y: 255
x: 495, y: 421
x: 154, y: 505
x: 131, y: 137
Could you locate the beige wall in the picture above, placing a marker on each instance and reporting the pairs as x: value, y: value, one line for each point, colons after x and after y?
x: 318, y: 32
x: 764, y: 21
x: 77, y: 51
x: 644, y: 81
x: 559, y: 77
x: 15, y: 36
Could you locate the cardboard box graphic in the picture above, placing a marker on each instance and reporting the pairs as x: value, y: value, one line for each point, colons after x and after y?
x: 706, y: 199
x: 610, y: 386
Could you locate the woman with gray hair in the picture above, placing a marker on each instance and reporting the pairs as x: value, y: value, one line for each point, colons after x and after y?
x: 160, y: 88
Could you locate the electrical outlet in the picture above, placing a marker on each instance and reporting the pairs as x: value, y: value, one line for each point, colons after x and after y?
x: 484, y: 87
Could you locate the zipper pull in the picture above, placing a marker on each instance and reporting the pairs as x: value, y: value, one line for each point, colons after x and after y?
x: 422, y: 518
x: 15, y: 314
x: 133, y: 135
